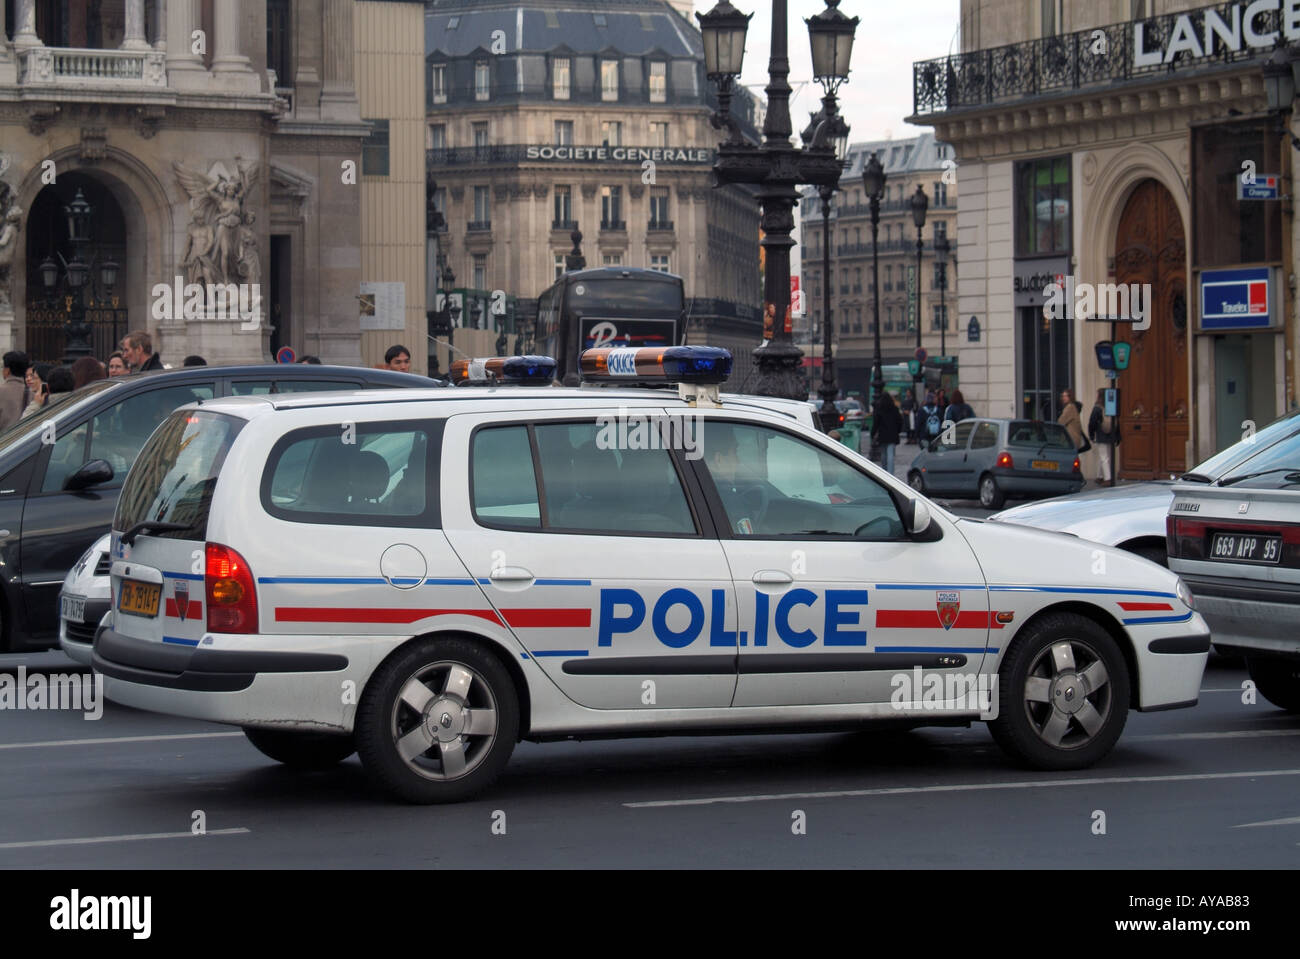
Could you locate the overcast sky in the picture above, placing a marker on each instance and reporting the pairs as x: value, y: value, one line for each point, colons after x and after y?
x: 891, y: 35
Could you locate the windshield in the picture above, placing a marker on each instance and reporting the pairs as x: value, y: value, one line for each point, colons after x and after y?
x: 1281, y: 458
x: 55, y: 408
x: 1033, y: 433
x: 627, y: 297
x: 1221, y: 462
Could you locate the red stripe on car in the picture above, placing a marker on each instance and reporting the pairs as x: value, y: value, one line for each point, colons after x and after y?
x: 543, y: 618
x: 929, y: 619
x: 192, y: 611
x: 1144, y: 607
x: 354, y: 614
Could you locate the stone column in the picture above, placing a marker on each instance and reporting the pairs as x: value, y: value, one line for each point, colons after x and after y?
x: 184, y: 67
x: 5, y: 77
x: 160, y: 25
x: 25, y: 27
x: 134, y: 35
x: 226, y: 56
x: 338, y: 95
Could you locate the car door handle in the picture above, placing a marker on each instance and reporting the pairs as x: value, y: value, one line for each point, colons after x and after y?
x: 511, y: 574
x: 773, y: 577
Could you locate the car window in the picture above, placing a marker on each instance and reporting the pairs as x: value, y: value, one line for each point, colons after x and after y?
x: 1236, y: 457
x: 594, y: 482
x: 504, y: 484
x: 1275, y: 462
x: 958, y: 437
x: 319, y: 476
x: 775, y: 484
x: 986, y: 435
x: 59, y: 404
x: 264, y: 387
x: 67, y: 456
x: 118, y: 433
x: 1034, y: 433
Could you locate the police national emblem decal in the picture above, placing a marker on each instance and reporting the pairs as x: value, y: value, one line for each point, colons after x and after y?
x: 948, y: 603
x: 182, y: 598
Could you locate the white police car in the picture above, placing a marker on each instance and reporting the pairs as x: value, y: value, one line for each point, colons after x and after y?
x: 428, y: 578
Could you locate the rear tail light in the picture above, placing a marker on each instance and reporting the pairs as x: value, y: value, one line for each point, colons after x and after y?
x: 1076, y: 464
x: 232, y: 597
x: 1005, y: 461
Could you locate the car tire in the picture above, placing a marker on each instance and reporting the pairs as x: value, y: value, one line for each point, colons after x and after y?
x: 452, y: 697
x: 916, y: 481
x: 1039, y: 721
x: 1277, y: 679
x: 301, y: 750
x: 990, y: 496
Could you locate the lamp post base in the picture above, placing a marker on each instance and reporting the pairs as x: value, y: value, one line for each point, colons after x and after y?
x: 779, y: 370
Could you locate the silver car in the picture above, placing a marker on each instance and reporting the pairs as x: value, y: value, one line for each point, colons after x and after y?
x: 1132, y: 516
x: 1236, y: 543
x: 86, y: 596
x: 992, y: 459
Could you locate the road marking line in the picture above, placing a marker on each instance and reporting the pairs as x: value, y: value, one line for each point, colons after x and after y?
x: 117, y: 739
x: 964, y: 787
x: 131, y: 838
x: 1294, y: 820
x: 1235, y: 734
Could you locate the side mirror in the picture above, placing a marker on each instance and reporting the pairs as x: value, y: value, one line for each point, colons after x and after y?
x: 92, y: 473
x: 918, y: 517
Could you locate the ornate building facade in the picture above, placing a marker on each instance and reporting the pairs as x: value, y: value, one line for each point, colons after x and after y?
x: 1128, y: 150
x: 218, y: 143
x: 548, y: 116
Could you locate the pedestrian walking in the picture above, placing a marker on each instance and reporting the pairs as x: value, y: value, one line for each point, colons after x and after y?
x: 137, y: 350
x: 941, y: 400
x: 13, y: 391
x: 929, y: 419
x: 87, y: 370
x: 1104, y: 431
x: 1072, y: 422
x: 886, y: 425
x: 117, y: 365
x: 398, y: 358
x: 908, y: 411
x: 958, y: 409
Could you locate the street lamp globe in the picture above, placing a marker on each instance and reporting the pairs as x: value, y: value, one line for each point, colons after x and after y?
x: 920, y: 203
x: 840, y: 137
x: 1279, y: 82
x: 831, y: 36
x: 723, y: 29
x: 873, y: 177
x: 78, y: 213
x: 78, y: 272
x: 49, y: 273
x: 108, y: 273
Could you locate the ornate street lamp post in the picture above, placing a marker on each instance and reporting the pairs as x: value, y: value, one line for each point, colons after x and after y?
x: 920, y: 203
x: 941, y: 249
x: 873, y: 183
x: 775, y: 167
x: 77, y: 274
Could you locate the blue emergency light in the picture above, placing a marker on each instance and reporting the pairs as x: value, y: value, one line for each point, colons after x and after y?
x: 504, y: 370
x: 656, y: 364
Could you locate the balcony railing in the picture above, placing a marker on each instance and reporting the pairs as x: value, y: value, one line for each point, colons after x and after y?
x: 854, y: 249
x: 1072, y: 61
x: 613, y: 224
x: 71, y: 67
x: 661, y: 225
x: 478, y: 226
x: 567, y: 225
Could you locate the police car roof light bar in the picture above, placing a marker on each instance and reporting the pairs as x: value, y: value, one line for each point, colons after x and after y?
x: 709, y: 365
x: 504, y: 371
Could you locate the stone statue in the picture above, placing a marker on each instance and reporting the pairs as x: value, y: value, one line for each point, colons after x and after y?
x: 213, y: 249
x: 11, y: 217
x: 248, y: 260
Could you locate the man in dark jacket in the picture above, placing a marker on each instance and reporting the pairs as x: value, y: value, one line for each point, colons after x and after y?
x: 1103, y: 430
x: 886, y: 426
x: 137, y: 350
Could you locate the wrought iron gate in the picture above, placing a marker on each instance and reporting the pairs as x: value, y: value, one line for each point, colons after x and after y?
x: 47, y: 329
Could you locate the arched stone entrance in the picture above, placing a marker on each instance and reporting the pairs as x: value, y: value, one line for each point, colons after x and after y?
x: 47, y: 312
x: 1155, y: 408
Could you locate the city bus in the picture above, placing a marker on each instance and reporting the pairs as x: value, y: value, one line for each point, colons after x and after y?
x: 608, y: 306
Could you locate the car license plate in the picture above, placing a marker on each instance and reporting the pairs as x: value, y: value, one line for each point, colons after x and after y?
x: 72, y: 607
x: 1246, y: 548
x: 139, y: 599
x: 1046, y: 465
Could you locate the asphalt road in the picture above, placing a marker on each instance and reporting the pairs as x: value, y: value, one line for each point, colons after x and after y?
x: 1202, y: 787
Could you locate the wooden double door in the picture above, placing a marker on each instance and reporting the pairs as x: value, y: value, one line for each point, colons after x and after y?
x: 1155, y: 409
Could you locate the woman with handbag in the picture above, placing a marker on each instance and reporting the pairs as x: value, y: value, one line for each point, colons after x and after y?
x: 1072, y: 422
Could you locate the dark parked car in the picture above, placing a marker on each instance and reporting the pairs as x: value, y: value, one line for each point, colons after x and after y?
x: 61, y: 471
x: 992, y: 459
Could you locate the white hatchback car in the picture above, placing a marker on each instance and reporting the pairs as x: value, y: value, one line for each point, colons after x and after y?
x: 428, y: 578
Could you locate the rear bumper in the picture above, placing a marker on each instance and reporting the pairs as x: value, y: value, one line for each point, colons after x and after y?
x: 278, y: 682
x: 1248, y: 616
x: 1035, y: 483
x: 201, y: 670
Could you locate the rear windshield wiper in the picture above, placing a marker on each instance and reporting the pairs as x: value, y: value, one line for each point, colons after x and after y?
x: 1245, y: 476
x: 129, y: 536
